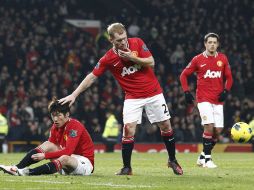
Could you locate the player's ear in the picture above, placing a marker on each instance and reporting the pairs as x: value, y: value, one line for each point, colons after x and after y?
x: 110, y: 39
x: 67, y: 114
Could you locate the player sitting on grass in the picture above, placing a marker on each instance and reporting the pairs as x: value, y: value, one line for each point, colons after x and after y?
x: 69, y: 147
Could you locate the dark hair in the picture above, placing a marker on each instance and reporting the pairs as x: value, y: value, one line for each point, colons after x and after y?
x: 55, y: 106
x: 213, y: 35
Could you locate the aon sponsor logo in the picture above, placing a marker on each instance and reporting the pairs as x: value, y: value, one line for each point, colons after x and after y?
x: 212, y: 74
x: 130, y: 70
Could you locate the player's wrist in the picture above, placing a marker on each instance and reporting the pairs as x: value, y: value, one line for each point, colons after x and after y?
x: 74, y: 95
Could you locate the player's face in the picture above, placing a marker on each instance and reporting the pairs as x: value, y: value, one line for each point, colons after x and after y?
x: 59, y: 119
x: 119, y: 41
x: 211, y: 45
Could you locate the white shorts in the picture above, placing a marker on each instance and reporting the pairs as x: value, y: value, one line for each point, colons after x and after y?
x: 211, y: 113
x: 155, y: 107
x: 84, y: 166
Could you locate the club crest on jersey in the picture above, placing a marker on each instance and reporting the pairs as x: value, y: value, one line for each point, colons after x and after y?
x: 73, y: 133
x: 134, y: 53
x: 130, y: 70
x: 219, y: 63
x: 65, y: 137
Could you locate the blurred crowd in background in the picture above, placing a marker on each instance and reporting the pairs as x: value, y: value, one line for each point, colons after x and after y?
x: 42, y: 56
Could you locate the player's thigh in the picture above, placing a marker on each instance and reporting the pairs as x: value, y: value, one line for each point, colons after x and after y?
x: 206, y: 113
x: 77, y: 165
x: 48, y: 147
x: 157, y: 109
x: 218, y: 116
x: 132, y: 110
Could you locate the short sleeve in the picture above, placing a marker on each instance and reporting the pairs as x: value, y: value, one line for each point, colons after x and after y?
x: 100, y: 67
x: 144, y: 51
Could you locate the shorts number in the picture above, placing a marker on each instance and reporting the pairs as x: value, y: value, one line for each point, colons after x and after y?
x: 165, y: 109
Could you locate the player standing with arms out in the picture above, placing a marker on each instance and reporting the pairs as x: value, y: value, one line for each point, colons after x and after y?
x: 69, y: 147
x: 212, y: 69
x: 131, y: 63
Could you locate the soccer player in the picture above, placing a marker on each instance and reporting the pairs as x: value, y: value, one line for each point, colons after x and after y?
x: 131, y: 63
x: 69, y: 147
x: 212, y: 70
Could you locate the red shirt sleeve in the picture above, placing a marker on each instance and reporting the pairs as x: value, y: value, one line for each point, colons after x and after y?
x: 73, y: 136
x: 228, y: 75
x: 52, y: 135
x: 190, y: 68
x: 100, y: 67
x: 143, y: 50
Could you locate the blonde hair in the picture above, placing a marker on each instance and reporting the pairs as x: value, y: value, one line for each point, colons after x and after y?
x: 115, y: 28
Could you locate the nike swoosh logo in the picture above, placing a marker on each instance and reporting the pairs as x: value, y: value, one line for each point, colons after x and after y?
x: 203, y: 65
x: 116, y: 63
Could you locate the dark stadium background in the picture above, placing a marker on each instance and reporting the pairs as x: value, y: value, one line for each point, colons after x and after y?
x: 36, y: 44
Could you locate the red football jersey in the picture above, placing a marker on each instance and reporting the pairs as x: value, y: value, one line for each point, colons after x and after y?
x: 211, y: 73
x: 72, y: 138
x: 135, y: 80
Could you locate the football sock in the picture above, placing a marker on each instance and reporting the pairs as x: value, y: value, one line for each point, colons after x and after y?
x: 49, y: 168
x: 127, y: 147
x: 207, y: 158
x: 214, y: 140
x: 207, y: 144
x: 169, y: 141
x: 213, y: 143
x: 27, y: 160
x: 202, y: 155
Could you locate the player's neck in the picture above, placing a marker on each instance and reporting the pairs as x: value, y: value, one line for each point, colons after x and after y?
x: 208, y: 53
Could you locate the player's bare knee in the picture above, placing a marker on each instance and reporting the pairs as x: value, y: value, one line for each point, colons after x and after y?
x: 64, y: 160
x: 165, y: 125
x: 48, y: 147
x: 129, y: 129
x: 209, y: 128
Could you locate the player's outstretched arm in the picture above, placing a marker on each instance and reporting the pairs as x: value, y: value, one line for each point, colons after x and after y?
x: 86, y: 83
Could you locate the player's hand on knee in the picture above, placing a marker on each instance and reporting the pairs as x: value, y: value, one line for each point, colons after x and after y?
x: 38, y: 156
x: 188, y: 97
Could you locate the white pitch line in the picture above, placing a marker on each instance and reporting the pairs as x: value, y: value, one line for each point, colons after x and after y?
x: 41, y: 181
x: 117, y: 185
x: 94, y: 184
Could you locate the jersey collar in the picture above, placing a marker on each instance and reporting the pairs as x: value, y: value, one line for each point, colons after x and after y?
x: 206, y: 56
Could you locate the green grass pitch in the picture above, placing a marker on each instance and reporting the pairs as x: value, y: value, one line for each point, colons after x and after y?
x: 235, y: 171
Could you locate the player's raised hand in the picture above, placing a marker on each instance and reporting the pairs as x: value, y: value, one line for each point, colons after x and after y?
x: 71, y: 99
